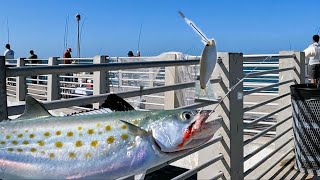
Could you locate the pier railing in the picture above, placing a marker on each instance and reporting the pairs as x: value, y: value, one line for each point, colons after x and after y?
x: 240, y: 149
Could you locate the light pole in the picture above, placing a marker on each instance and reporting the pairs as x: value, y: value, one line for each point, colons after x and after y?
x: 78, y: 20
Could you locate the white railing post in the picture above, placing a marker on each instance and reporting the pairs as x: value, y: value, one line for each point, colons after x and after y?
x: 3, y: 90
x: 299, y: 75
x: 230, y: 69
x: 100, y: 79
x: 171, y: 77
x: 21, y: 86
x: 53, y: 87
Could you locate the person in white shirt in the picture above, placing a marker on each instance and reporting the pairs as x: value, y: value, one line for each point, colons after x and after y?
x: 9, y: 53
x: 312, y: 54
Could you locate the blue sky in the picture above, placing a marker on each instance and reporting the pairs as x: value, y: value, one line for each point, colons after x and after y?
x: 111, y: 27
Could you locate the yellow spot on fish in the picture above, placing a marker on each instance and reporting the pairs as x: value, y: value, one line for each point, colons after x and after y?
x: 58, y: 133
x: 33, y: 149
x: 135, y: 122
x: 94, y: 143
x: 7, y: 136
x: 110, y: 139
x: 19, y: 150
x: 78, y: 143
x: 59, y: 144
x: 72, y: 155
x: 51, y: 155
x: 14, y: 142
x: 124, y: 126
x: 79, y: 128
x: 25, y: 142
x: 108, y: 128
x: 41, y: 143
x: 70, y: 134
x: 98, y: 125
x: 31, y: 136
x: 10, y: 149
x: 124, y: 136
x: 90, y: 131
x: 20, y: 135
x: 88, y: 155
x: 2, y: 142
x: 46, y: 134
x: 26, y: 130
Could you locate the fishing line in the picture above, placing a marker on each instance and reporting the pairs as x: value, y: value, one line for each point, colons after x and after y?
x: 233, y: 87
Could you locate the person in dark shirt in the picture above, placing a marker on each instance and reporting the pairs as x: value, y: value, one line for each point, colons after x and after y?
x: 33, y: 56
x: 130, y: 54
x: 67, y: 54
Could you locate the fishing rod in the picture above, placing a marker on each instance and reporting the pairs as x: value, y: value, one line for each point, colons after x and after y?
x: 139, y: 38
x: 66, y: 29
x: 8, y: 31
x: 194, y: 27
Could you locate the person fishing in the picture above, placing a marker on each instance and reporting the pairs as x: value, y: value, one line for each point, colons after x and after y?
x: 33, y: 56
x: 312, y: 54
x: 8, y: 53
x: 67, y: 54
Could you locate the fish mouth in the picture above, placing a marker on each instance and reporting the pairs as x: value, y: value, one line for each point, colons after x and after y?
x: 200, y: 131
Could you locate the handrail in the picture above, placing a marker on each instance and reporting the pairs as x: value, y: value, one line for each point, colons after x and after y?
x: 268, y: 71
x: 254, y: 57
x: 61, y: 69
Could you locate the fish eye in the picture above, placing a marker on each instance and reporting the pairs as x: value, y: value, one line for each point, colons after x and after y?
x: 186, y: 115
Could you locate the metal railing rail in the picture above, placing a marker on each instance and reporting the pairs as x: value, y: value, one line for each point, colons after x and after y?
x: 268, y: 71
x: 193, y: 171
x: 265, y: 116
x: 246, y: 142
x: 267, y: 87
x: 61, y: 69
x: 266, y: 144
x: 15, y: 110
x: 254, y: 57
x: 275, y: 163
x: 266, y: 157
x: 264, y: 102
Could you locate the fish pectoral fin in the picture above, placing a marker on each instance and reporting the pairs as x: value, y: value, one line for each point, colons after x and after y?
x: 33, y: 109
x: 135, y: 130
x: 140, y: 176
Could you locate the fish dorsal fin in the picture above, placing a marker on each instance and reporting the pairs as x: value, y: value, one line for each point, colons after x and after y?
x: 116, y: 103
x: 135, y: 130
x: 34, y: 109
